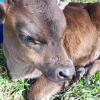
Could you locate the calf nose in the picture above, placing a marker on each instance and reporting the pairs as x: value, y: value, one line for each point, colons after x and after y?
x: 66, y: 73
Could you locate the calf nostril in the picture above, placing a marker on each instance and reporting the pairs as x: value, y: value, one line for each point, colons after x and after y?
x: 62, y: 75
x: 66, y: 73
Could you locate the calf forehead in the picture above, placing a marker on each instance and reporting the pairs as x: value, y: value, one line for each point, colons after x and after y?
x: 47, y: 16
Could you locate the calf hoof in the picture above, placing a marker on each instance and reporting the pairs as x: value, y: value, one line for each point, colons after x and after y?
x: 81, y: 72
x: 89, y: 80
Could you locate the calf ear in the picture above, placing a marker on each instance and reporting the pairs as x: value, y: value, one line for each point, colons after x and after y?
x: 15, y: 3
x: 3, y: 6
x: 2, y: 14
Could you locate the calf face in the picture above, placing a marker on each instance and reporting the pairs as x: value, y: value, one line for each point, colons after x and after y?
x: 34, y: 35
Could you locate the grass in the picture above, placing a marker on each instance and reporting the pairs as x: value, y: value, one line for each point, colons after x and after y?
x: 10, y: 90
x: 13, y: 90
x: 82, y: 91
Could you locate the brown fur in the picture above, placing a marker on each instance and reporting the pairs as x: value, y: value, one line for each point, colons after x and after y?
x: 82, y: 38
x: 80, y: 32
x: 43, y: 89
x: 77, y: 4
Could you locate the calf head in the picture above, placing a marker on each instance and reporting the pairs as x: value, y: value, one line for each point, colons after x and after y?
x: 34, y: 29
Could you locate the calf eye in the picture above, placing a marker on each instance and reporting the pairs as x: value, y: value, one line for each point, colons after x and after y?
x: 29, y: 39
x: 26, y: 39
x: 37, y: 45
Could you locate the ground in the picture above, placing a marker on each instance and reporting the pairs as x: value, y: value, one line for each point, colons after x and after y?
x: 13, y: 90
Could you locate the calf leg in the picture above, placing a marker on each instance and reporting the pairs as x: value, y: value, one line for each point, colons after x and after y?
x: 43, y: 89
x: 89, y: 71
x: 92, y: 70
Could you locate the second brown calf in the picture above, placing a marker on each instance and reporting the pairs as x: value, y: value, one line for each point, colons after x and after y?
x: 82, y: 38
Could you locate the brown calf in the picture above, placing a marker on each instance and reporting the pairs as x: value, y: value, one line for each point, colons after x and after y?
x: 33, y: 40
x: 33, y: 43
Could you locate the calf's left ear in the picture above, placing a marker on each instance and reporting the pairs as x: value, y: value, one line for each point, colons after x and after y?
x: 15, y: 3
x: 4, y: 5
x: 2, y: 13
